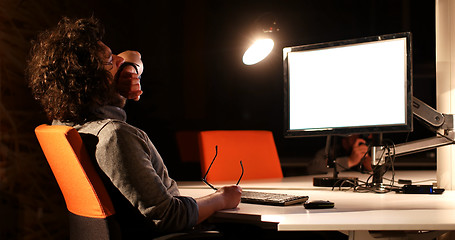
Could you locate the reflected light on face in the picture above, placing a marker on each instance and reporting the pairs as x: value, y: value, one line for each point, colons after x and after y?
x: 258, y: 51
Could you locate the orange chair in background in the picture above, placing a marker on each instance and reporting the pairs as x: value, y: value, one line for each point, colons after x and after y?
x: 255, y: 148
x: 91, y: 212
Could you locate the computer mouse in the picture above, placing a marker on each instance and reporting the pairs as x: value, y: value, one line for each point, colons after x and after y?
x: 318, y: 204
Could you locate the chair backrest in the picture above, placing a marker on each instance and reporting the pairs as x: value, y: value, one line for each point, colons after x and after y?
x: 255, y: 148
x: 85, y: 194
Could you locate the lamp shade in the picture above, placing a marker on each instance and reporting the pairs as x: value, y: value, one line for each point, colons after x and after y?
x: 258, y: 51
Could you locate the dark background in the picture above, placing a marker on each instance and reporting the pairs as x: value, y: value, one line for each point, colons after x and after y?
x: 193, y: 80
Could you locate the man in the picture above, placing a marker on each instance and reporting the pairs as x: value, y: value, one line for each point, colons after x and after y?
x: 76, y: 78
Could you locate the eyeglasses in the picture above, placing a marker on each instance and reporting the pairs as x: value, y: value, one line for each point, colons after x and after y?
x: 204, y: 179
x: 109, y: 65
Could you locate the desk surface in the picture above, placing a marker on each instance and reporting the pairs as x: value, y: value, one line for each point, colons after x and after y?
x: 353, y: 210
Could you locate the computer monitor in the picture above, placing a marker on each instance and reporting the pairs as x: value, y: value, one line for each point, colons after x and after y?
x: 356, y: 86
x: 347, y: 87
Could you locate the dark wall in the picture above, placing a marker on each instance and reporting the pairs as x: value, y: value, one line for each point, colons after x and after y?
x: 194, y: 78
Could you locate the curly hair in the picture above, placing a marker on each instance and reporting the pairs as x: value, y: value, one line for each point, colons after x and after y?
x: 66, y: 70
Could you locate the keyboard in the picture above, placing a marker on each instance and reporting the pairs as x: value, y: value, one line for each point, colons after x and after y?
x: 268, y: 198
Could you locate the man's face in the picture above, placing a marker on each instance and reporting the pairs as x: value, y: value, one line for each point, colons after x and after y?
x: 111, y: 62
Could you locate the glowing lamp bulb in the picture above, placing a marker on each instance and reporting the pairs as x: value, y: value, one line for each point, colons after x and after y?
x: 258, y: 51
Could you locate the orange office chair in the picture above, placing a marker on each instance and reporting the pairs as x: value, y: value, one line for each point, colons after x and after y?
x: 255, y: 148
x: 91, y: 213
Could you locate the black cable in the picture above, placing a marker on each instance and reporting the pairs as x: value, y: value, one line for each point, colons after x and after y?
x: 364, y: 186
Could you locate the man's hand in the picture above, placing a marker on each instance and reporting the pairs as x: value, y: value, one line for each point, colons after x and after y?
x: 231, y: 196
x: 129, y: 84
x: 359, y: 150
x: 224, y: 198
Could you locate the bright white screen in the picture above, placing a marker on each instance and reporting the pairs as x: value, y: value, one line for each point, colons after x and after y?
x: 356, y: 85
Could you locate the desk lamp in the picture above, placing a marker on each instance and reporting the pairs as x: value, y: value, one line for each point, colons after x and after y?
x: 263, y: 43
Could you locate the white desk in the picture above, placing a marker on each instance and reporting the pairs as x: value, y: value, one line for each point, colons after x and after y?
x: 354, y: 213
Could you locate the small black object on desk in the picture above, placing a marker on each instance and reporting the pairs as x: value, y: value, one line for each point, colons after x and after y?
x: 421, y: 189
x: 318, y: 204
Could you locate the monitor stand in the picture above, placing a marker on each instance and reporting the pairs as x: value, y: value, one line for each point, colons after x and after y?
x: 335, y: 180
x: 379, y: 167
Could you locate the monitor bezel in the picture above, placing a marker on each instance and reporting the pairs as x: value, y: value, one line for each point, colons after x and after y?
x: 407, y: 127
